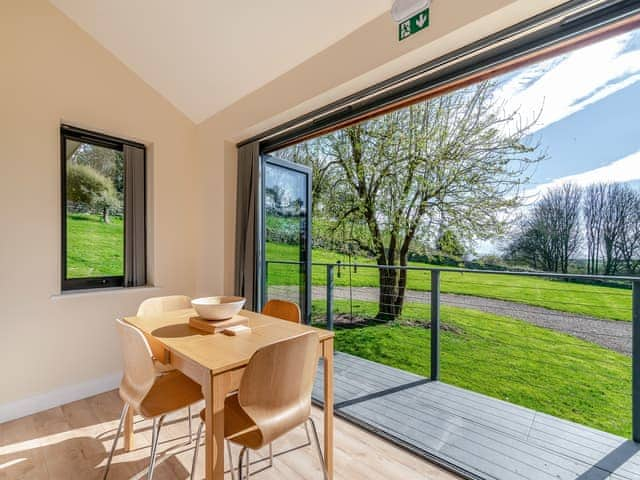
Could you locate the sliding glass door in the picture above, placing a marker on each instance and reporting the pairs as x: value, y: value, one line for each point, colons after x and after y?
x: 286, y: 238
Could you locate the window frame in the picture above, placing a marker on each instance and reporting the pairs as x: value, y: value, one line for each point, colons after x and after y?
x: 94, y: 138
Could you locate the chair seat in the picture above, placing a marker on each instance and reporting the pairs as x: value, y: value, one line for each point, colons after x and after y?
x: 238, y: 426
x: 171, y: 391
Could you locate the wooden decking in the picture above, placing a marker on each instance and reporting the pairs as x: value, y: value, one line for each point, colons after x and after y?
x: 479, y: 436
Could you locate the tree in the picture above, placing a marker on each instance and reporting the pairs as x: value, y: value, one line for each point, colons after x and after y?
x: 455, y: 160
x: 550, y: 234
x: 628, y: 245
x: 617, y: 206
x: 87, y: 186
x: 449, y: 244
x: 593, y: 204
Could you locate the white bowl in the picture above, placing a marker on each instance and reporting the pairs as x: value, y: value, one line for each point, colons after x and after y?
x: 218, y: 308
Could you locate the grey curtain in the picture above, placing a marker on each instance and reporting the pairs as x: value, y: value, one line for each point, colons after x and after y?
x: 135, y: 255
x: 247, y: 265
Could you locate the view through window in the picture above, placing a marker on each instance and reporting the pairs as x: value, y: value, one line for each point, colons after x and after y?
x: 95, y: 210
x: 535, y: 171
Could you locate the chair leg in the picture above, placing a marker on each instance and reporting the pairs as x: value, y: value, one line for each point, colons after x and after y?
x: 240, y: 462
x: 125, y: 409
x: 315, y: 434
x: 154, y: 444
x: 190, y: 429
x: 306, y: 430
x: 231, y: 469
x: 196, y: 449
x: 270, y: 455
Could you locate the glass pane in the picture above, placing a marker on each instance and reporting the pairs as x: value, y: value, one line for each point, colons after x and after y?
x: 95, y: 211
x: 285, y: 206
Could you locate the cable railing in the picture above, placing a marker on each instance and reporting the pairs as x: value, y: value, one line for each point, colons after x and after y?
x: 564, y: 344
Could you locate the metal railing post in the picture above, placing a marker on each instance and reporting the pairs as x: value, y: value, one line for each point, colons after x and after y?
x: 435, y: 325
x: 635, y: 361
x: 330, y: 297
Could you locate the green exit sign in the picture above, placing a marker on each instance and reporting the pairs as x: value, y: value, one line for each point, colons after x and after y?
x: 418, y: 22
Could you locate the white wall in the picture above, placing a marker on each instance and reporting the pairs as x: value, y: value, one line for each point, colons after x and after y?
x: 52, y: 72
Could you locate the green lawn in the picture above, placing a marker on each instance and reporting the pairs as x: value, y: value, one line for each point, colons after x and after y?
x: 504, y: 358
x: 598, y: 301
x: 94, y: 248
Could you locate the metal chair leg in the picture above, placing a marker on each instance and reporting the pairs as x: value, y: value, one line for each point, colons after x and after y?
x: 306, y: 430
x: 196, y: 449
x: 240, y: 462
x: 315, y: 434
x: 231, y: 469
x: 190, y: 429
x: 125, y: 409
x: 154, y: 444
x: 270, y: 455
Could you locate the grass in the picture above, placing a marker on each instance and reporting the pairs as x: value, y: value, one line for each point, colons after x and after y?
x: 94, y: 248
x: 592, y: 300
x: 503, y: 358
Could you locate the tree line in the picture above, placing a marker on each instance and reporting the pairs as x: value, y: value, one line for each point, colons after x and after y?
x: 600, y: 222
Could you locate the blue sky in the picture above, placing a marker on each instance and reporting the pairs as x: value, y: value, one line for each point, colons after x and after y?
x: 590, y: 120
x: 589, y: 124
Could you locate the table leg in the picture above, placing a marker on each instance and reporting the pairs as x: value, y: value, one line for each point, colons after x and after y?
x: 214, y: 396
x: 129, y: 443
x: 328, y: 405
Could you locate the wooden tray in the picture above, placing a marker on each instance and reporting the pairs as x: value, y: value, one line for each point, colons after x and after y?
x: 217, y: 326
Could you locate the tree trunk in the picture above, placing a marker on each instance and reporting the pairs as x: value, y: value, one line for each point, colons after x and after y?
x: 387, y: 309
x: 393, y: 286
x: 105, y: 215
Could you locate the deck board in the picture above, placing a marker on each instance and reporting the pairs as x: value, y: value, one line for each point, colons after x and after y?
x: 485, y: 437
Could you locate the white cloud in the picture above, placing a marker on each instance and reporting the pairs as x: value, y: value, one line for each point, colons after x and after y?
x: 626, y: 169
x: 565, y: 85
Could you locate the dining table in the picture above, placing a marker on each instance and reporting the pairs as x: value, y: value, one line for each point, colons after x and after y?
x: 217, y: 361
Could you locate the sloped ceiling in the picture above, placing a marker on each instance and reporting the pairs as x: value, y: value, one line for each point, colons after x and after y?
x: 203, y: 55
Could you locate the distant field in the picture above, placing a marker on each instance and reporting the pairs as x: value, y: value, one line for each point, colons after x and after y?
x: 504, y: 358
x: 94, y: 249
x: 597, y: 301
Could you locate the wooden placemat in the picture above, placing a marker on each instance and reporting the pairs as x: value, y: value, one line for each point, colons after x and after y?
x: 217, y: 326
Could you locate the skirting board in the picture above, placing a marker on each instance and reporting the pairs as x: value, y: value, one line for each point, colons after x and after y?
x: 60, y: 396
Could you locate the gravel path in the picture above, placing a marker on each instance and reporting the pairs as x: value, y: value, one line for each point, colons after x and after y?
x: 614, y: 335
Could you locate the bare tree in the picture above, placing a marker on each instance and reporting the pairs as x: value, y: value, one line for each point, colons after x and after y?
x: 550, y: 234
x: 618, y: 207
x: 592, y: 211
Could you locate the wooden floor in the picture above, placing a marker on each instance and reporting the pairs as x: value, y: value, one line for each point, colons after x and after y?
x: 72, y: 442
x: 485, y: 437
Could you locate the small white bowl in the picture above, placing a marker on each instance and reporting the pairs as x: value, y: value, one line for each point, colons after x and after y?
x: 218, y: 308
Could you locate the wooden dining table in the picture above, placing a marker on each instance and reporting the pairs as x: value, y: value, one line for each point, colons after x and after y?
x: 216, y: 361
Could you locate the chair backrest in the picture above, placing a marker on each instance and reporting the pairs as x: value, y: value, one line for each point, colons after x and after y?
x: 139, y: 371
x: 283, y: 309
x: 156, y: 305
x: 275, y: 390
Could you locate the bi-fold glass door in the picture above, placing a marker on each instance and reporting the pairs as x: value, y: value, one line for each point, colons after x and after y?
x: 286, y: 233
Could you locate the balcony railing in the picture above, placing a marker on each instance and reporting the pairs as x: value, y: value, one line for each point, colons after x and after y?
x: 578, y: 318
x: 562, y: 344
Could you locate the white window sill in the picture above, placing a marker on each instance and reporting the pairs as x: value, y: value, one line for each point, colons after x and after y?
x: 102, y: 291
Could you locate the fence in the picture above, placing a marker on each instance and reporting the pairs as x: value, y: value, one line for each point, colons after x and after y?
x: 568, y: 345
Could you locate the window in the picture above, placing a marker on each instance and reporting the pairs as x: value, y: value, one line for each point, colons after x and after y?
x: 103, y: 211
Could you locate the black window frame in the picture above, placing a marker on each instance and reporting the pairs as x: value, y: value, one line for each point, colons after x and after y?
x: 94, y: 138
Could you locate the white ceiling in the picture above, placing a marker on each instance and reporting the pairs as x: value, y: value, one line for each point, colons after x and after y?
x: 203, y: 55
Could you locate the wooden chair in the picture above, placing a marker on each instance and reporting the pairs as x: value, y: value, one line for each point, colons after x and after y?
x: 289, y: 311
x: 158, y: 305
x: 283, y: 309
x: 149, y: 388
x: 274, y: 397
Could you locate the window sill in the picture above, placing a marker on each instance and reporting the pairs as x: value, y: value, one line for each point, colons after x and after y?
x: 102, y: 291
